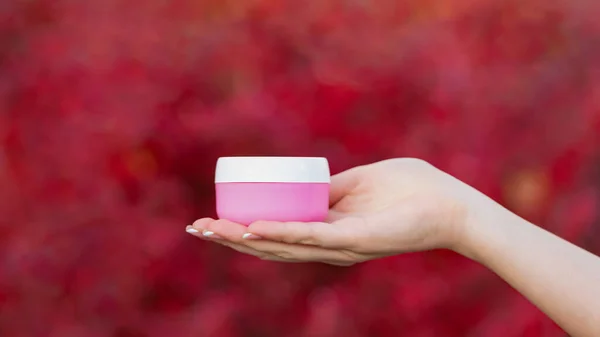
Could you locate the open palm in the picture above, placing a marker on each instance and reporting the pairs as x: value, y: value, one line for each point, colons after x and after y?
x: 377, y: 210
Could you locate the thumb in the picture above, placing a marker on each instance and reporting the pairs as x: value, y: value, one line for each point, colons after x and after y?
x: 342, y: 184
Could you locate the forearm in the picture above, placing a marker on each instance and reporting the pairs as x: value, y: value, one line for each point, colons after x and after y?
x: 560, y: 278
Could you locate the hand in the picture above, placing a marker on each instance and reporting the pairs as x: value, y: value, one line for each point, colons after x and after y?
x: 377, y: 210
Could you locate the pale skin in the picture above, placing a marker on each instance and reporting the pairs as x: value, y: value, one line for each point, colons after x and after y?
x: 408, y: 205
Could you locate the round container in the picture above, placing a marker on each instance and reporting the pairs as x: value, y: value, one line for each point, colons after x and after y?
x: 285, y: 189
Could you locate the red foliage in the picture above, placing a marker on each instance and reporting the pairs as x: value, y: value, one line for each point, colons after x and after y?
x: 113, y: 112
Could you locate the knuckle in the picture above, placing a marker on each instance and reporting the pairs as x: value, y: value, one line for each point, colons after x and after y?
x: 271, y: 252
x: 214, y: 226
x: 309, y: 238
x: 348, y: 256
x: 200, y: 223
x: 312, y: 234
x: 306, y: 242
x: 284, y: 255
x: 265, y: 257
x: 208, y: 226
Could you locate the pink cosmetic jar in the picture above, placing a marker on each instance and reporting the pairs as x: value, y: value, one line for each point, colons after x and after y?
x: 284, y: 189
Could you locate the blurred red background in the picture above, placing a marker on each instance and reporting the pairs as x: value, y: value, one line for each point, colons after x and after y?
x: 113, y: 113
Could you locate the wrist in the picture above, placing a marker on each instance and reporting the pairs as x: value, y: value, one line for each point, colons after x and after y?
x: 488, y: 227
x: 452, y: 225
x: 481, y: 221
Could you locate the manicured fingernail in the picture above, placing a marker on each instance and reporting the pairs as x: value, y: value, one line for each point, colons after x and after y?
x: 210, y: 235
x: 191, y: 230
x: 250, y: 236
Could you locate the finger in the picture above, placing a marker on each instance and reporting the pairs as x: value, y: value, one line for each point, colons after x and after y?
x: 336, y: 235
x: 225, y: 229
x: 201, y: 224
x: 343, y: 184
x: 301, y: 253
x: 208, y: 228
x: 249, y: 251
x: 198, y: 229
x: 269, y: 257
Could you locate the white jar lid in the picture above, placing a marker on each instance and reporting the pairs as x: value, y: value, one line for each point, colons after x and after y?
x: 272, y: 170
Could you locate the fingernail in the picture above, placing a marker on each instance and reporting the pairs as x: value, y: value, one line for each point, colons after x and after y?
x: 191, y: 230
x: 210, y: 235
x: 250, y: 236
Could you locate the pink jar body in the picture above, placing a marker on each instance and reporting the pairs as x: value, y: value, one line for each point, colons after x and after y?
x: 246, y: 203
